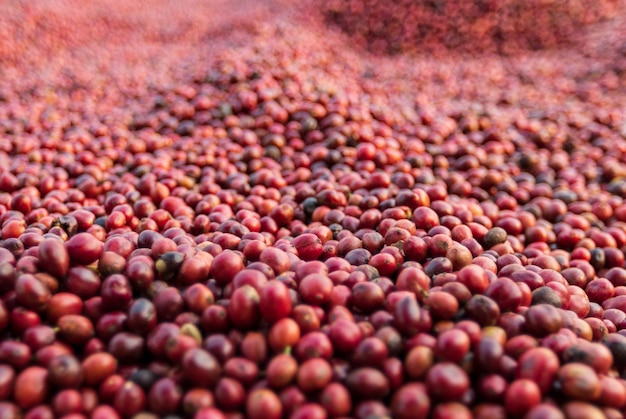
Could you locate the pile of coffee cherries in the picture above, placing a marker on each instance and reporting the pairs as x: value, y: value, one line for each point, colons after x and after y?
x: 509, y: 27
x: 243, y: 215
